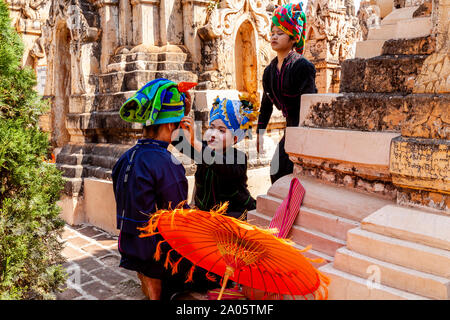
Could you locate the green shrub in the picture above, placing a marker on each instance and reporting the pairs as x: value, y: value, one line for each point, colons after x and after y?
x: 30, y: 253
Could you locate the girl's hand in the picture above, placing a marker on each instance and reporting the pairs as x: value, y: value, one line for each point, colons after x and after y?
x: 187, y: 124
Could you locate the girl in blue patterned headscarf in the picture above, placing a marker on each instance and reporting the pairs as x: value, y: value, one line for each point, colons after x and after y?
x: 236, y: 115
x: 221, y: 174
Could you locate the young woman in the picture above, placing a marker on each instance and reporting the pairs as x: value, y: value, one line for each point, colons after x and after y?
x: 285, y: 79
x: 221, y: 174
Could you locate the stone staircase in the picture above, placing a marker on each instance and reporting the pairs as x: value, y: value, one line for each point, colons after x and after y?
x: 327, y: 214
x: 130, y: 70
x: 399, y: 24
x: 396, y: 253
x: 87, y: 160
x: 376, y: 94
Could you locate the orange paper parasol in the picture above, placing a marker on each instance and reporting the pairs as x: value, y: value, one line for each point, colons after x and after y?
x: 239, y: 251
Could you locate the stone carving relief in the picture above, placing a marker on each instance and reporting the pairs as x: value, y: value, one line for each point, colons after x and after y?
x: 435, y: 73
x: 221, y: 31
x: 29, y: 13
x: 222, y: 20
x: 369, y: 17
x: 38, y: 49
x: 332, y: 30
x: 73, y: 18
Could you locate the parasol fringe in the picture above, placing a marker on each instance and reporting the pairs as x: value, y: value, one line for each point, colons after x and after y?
x: 190, y: 276
x: 316, y: 260
x: 167, y: 262
x: 219, y: 209
x: 157, y: 254
x: 175, y: 266
x: 322, y: 292
x: 307, y: 248
x: 210, y: 277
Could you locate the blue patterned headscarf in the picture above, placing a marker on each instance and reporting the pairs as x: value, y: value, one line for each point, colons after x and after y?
x: 159, y: 101
x: 237, y: 115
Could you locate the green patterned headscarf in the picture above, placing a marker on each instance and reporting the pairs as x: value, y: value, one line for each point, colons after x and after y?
x: 292, y: 20
x: 159, y: 101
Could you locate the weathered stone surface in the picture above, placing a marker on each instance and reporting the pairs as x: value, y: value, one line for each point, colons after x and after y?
x: 423, y: 199
x: 415, y: 114
x: 389, y: 74
x: 421, y: 164
x: 429, y: 120
x: 415, y: 46
x: 365, y: 180
x: 331, y: 33
x: 435, y: 75
x: 424, y: 10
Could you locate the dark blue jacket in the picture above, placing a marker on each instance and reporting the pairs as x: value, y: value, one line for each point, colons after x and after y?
x: 145, y: 178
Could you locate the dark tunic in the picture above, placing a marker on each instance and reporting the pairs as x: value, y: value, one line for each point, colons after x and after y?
x: 146, y: 178
x: 220, y: 177
x: 284, y: 88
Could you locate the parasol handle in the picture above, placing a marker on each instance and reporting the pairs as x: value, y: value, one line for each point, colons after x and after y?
x: 228, y: 272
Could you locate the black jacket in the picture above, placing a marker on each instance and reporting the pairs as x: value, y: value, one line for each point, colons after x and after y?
x: 219, y: 177
x: 284, y: 88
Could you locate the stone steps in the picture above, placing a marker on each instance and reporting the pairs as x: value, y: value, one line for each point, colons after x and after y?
x: 319, y: 241
x: 381, y: 74
x: 263, y: 221
x: 404, y: 29
x: 150, y: 56
x: 399, y: 24
x: 345, y: 286
x: 133, y: 80
x: 71, y: 171
x: 73, y: 186
x: 365, y: 111
x: 400, y: 252
x: 331, y: 199
x: 399, y: 14
x: 309, y: 218
x: 150, y: 66
x: 415, y: 46
x: 369, y: 48
x: 100, y: 120
x: 420, y: 227
x: 423, y: 284
x: 314, y: 254
x: 81, y: 171
x: 87, y: 159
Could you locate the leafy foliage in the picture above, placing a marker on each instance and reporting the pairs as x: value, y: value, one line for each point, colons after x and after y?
x: 30, y: 252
